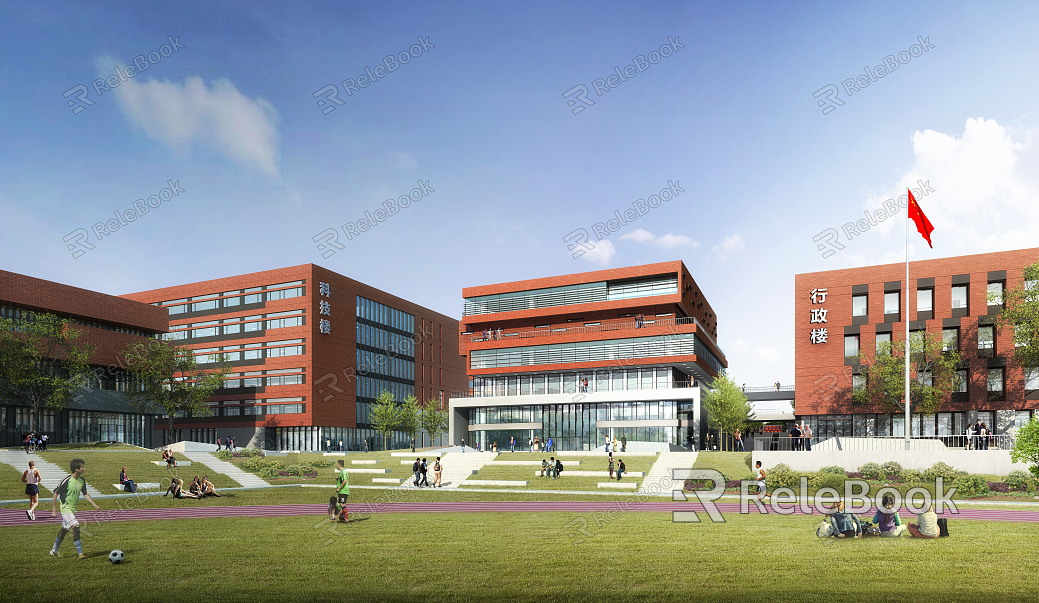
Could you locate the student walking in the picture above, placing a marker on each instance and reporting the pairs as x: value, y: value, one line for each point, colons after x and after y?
x: 762, y: 488
x: 437, y: 468
x: 738, y: 437
x: 31, y: 478
x: 69, y: 491
x: 422, y: 469
x: 415, y: 468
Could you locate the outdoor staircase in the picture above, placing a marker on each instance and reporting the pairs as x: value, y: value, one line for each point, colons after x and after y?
x: 246, y: 479
x: 458, y: 467
x: 660, y: 472
x: 51, y: 473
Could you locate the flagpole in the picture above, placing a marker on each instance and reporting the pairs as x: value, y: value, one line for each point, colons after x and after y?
x: 908, y: 423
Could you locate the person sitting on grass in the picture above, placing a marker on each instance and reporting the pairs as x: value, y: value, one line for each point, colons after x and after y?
x: 843, y: 525
x: 926, y: 525
x: 207, y: 488
x: 196, y: 487
x: 336, y: 510
x: 168, y: 457
x: 888, y: 521
x: 177, y: 489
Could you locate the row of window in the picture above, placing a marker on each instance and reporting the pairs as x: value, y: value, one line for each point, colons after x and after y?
x: 385, y: 315
x: 231, y: 326
x: 950, y: 341
x: 603, y: 380
x: 231, y: 299
x: 684, y: 344
x: 394, y: 343
x: 371, y: 387
x: 612, y: 411
x: 383, y: 364
x: 995, y: 381
x: 925, y: 299
x: 569, y: 295
x: 251, y: 351
x: 869, y: 425
x: 16, y: 313
x: 261, y: 378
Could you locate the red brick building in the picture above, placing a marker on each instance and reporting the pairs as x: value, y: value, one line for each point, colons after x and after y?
x: 311, y: 350
x: 565, y: 357
x: 99, y: 411
x: 839, y: 311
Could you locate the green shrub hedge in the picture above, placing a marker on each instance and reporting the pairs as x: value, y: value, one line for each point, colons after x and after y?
x: 870, y: 471
x: 781, y: 476
x: 942, y: 470
x: 1020, y: 480
x: 971, y: 485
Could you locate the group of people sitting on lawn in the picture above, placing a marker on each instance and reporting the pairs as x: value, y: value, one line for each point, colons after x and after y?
x: 168, y: 457
x: 200, y: 487
x: 841, y: 524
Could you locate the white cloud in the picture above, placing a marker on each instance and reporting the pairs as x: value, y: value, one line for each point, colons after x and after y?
x: 602, y: 252
x: 729, y: 246
x: 985, y: 197
x: 218, y: 117
x: 669, y: 241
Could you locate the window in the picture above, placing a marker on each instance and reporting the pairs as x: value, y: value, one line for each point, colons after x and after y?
x: 858, y: 305
x: 231, y: 353
x: 986, y: 341
x: 292, y: 350
x: 924, y: 300
x: 858, y: 383
x: 995, y: 294
x: 959, y: 382
x: 210, y: 304
x: 1021, y: 418
x: 851, y: 345
x: 959, y: 296
x: 253, y: 381
x: 206, y: 355
x: 178, y: 309
x: 207, y: 331
x: 924, y: 378
x: 950, y: 340
x: 284, y: 294
x: 285, y: 380
x: 252, y: 354
x: 891, y: 302
x: 231, y: 301
x: 253, y: 298
x: 884, y: 343
x: 253, y: 326
x: 1032, y: 378
x: 995, y: 384
x: 230, y: 329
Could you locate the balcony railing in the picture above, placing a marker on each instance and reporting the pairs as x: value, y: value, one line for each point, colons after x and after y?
x: 499, y: 391
x: 612, y: 326
x: 768, y: 388
x: 783, y: 441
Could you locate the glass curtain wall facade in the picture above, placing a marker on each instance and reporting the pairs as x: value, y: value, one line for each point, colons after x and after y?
x: 599, y: 380
x: 75, y: 426
x: 576, y: 426
x: 385, y: 356
x: 585, y: 293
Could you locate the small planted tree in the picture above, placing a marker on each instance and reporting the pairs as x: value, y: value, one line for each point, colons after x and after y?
x: 167, y: 376
x: 931, y: 380
x: 1026, y: 446
x: 385, y: 416
x: 727, y: 406
x: 433, y: 418
x: 43, y: 360
x: 409, y: 418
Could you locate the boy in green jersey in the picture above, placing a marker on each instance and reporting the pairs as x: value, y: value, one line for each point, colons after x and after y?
x: 69, y: 491
x: 342, y: 486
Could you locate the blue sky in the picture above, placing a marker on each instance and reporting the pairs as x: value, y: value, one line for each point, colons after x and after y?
x: 231, y: 116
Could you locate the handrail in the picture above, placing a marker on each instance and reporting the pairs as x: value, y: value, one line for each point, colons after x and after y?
x: 612, y: 326
x: 770, y: 388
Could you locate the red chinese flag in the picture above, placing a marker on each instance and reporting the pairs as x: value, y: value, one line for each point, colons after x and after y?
x: 923, y: 225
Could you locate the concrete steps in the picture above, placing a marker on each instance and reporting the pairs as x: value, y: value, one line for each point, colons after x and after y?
x: 50, y: 473
x: 458, y: 467
x: 244, y: 478
x: 659, y: 476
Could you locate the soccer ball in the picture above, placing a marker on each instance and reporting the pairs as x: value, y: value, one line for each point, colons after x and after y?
x: 116, y: 557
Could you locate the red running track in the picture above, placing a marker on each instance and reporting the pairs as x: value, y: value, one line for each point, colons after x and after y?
x: 17, y: 517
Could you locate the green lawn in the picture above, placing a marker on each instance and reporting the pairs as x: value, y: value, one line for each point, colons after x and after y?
x: 733, y: 465
x: 326, y: 475
x: 12, y: 487
x: 565, y: 481
x: 103, y: 466
x: 516, y: 557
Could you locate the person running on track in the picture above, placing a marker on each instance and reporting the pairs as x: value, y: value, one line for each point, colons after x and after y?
x: 69, y: 491
x: 32, y: 478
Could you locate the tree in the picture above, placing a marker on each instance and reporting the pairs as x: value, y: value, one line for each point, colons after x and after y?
x: 1021, y: 313
x: 409, y: 418
x: 385, y: 415
x: 433, y: 418
x: 1026, y: 446
x: 167, y: 376
x: 932, y: 375
x: 42, y: 362
x: 727, y: 406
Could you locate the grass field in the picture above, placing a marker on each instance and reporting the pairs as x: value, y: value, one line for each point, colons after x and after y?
x: 565, y: 481
x: 733, y: 465
x: 515, y: 557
